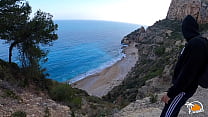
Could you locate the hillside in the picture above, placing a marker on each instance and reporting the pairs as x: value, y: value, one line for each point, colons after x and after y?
x: 139, y: 93
x: 22, y: 96
x: 158, y: 48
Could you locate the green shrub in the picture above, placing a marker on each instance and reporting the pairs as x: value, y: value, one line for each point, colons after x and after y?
x: 159, y: 51
x: 65, y: 94
x: 76, y: 102
x: 153, y: 74
x: 62, y: 93
x: 19, y: 114
x: 94, y: 99
x: 47, y: 112
x: 10, y: 93
x: 153, y: 98
x: 203, y: 27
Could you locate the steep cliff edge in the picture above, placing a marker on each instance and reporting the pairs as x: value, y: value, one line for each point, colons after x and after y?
x: 158, y: 49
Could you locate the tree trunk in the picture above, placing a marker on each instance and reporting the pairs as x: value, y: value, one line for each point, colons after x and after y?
x: 10, y: 50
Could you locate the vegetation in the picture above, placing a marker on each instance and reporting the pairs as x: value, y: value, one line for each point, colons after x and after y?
x: 10, y: 93
x: 151, y: 64
x: 66, y: 94
x: 47, y: 113
x: 153, y: 98
x: 159, y: 51
x: 27, y: 34
x: 203, y: 27
x: 19, y: 114
x: 79, y: 101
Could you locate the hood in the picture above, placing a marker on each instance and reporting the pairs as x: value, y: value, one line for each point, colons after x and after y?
x: 190, y: 28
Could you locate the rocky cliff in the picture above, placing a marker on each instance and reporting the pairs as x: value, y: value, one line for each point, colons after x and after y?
x: 181, y: 8
x: 158, y: 49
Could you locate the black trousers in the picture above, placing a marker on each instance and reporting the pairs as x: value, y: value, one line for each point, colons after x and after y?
x: 174, y: 105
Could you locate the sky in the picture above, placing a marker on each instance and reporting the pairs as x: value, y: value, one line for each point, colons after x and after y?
x: 143, y: 12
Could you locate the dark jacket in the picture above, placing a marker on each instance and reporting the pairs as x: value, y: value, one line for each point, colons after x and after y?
x: 192, y: 60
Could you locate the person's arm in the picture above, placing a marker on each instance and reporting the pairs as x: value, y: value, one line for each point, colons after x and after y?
x: 194, y: 60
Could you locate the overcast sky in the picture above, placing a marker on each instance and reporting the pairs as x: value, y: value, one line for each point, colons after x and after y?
x: 144, y: 12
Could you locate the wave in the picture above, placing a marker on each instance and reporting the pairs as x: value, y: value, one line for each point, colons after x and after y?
x: 99, y: 69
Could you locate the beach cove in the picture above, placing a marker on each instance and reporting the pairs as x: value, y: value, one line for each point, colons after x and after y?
x: 99, y: 84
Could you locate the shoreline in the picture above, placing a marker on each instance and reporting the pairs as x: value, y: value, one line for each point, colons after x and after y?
x: 97, y: 70
x: 99, y: 84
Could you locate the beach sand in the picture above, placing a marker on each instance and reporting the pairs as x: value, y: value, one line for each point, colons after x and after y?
x: 101, y: 83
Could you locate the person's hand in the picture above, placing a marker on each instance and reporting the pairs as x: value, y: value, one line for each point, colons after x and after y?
x: 165, y: 99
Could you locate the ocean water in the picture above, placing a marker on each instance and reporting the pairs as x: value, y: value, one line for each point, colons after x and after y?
x: 83, y: 48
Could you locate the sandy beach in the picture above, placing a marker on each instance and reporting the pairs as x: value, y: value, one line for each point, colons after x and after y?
x: 101, y: 83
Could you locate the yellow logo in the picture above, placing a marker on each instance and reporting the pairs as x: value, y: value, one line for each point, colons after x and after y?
x: 195, y: 107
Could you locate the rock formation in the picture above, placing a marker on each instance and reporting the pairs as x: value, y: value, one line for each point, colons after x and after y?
x: 158, y: 48
x: 135, y: 36
x: 180, y: 8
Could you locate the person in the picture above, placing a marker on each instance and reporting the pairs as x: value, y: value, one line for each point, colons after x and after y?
x: 191, y: 64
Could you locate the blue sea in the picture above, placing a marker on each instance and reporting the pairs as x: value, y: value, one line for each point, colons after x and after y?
x: 83, y: 48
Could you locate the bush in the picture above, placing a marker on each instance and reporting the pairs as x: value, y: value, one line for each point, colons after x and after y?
x: 153, y: 74
x: 10, y: 93
x: 47, y: 112
x: 153, y: 98
x: 19, y: 114
x: 159, y: 51
x: 203, y: 27
x: 62, y: 93
x: 65, y: 94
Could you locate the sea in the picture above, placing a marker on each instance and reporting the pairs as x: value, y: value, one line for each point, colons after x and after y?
x: 84, y: 47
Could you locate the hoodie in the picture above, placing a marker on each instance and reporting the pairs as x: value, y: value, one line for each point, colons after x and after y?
x: 192, y: 60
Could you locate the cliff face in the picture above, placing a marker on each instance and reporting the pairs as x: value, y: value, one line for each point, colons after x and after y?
x: 181, y: 8
x: 158, y: 49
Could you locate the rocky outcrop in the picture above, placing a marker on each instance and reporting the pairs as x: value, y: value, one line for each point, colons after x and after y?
x: 135, y: 36
x: 34, y: 104
x: 181, y: 8
x: 144, y: 107
x: 158, y: 48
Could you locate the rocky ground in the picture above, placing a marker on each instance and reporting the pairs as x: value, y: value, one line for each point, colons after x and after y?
x: 34, y: 104
x: 144, y: 107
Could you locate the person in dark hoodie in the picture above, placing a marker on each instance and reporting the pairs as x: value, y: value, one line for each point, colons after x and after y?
x: 191, y: 64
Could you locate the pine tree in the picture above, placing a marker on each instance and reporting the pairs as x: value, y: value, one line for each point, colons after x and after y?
x: 24, y: 33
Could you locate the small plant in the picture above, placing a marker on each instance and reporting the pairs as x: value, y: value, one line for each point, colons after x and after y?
x: 203, y: 27
x: 19, y: 114
x: 61, y: 92
x: 10, y: 94
x: 76, y: 102
x: 153, y: 98
x: 47, y: 112
x: 65, y: 94
x: 159, y: 51
x: 73, y: 114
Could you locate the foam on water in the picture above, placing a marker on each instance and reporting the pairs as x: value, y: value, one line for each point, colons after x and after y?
x: 83, y: 48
